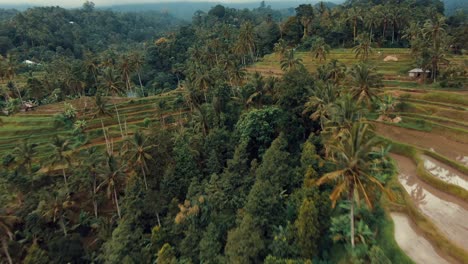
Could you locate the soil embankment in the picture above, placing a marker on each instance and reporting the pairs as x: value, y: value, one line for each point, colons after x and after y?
x: 456, y: 151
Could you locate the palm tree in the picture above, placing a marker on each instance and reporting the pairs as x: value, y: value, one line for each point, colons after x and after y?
x: 60, y: 156
x: 6, y: 232
x: 334, y: 71
x: 112, y: 175
x: 126, y: 69
x: 291, y: 63
x: 203, y: 81
x: 281, y: 48
x: 246, y: 41
x: 322, y: 103
x: 139, y: 152
x: 10, y: 69
x: 434, y: 31
x: 112, y: 82
x: 372, y: 20
x: 364, y: 80
x: 137, y: 61
x: 320, y: 49
x: 364, y: 48
x: 352, y: 156
x: 92, y: 159
x: 354, y: 16
x: 100, y: 104
x: 25, y: 153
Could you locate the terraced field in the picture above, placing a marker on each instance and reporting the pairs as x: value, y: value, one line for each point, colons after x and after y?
x: 38, y: 126
x: 430, y: 150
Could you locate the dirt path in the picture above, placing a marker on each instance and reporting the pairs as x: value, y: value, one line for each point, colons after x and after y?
x: 445, y: 172
x: 413, y: 243
x: 449, y: 214
x: 454, y: 150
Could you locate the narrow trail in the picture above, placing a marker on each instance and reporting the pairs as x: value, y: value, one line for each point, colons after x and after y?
x: 445, y: 172
x: 449, y: 214
x: 414, y: 244
x: 456, y: 151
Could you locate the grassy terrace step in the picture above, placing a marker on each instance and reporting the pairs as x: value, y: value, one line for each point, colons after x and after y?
x: 446, y: 105
x: 442, y: 120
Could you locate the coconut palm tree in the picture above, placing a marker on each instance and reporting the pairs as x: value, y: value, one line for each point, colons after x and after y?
x: 24, y: 154
x: 112, y: 176
x: 60, y: 156
x: 245, y: 44
x: 322, y: 102
x: 364, y: 48
x: 137, y: 61
x: 281, y: 48
x: 354, y: 15
x: 353, y: 178
x: 364, y: 81
x: 7, y: 223
x: 290, y: 62
x: 139, y: 152
x: 112, y: 82
x: 100, y: 104
x: 320, y: 49
x: 372, y: 20
x: 126, y: 69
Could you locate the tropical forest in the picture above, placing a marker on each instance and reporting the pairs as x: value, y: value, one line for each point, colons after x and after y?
x: 277, y: 132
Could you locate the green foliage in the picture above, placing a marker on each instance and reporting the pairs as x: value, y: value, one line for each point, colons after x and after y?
x: 166, y: 255
x: 36, y: 255
x: 307, y: 226
x: 377, y: 256
x: 245, y: 243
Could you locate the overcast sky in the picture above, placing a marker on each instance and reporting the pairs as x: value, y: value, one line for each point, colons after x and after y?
x: 73, y: 3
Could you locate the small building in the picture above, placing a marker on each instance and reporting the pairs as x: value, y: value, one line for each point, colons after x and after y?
x: 29, y: 62
x: 418, y: 72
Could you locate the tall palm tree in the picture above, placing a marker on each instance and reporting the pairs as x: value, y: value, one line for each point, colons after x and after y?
x: 60, y: 156
x: 322, y: 103
x: 126, y: 69
x: 112, y: 177
x: 139, y: 152
x: 372, y: 20
x: 320, y: 49
x: 24, y: 154
x: 203, y: 81
x: 246, y: 41
x: 112, y: 81
x: 6, y: 232
x: 11, y: 67
x: 101, y: 106
x: 354, y: 15
x: 364, y: 48
x: 353, y: 177
x: 137, y: 62
x: 364, y: 80
x: 290, y: 62
x: 281, y: 48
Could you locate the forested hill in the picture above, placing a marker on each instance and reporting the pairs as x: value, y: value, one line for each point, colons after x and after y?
x: 42, y: 32
x: 185, y: 10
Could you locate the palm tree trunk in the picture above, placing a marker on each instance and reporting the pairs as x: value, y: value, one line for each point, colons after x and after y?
x: 144, y: 176
x: 95, y: 205
x: 65, y: 179
x: 354, y: 29
x: 139, y: 79
x: 62, y: 224
x: 5, y: 250
x: 351, y: 215
x: 117, y: 203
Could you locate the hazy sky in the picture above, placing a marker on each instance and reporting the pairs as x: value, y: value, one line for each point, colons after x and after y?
x: 71, y: 3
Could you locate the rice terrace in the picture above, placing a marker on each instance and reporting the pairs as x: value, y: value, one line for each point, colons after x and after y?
x: 246, y: 133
